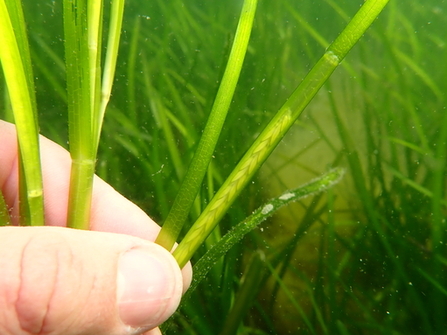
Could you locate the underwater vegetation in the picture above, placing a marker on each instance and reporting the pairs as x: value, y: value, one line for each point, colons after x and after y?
x: 366, y: 257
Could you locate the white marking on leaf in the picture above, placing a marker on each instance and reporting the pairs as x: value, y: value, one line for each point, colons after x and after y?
x: 267, y: 209
x: 286, y: 196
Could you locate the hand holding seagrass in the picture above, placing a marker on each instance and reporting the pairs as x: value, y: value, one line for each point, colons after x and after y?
x: 57, y: 280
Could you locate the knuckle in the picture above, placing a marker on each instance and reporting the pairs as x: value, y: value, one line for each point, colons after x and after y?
x: 44, y: 265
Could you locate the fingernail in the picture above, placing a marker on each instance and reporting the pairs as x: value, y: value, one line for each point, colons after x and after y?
x: 146, y: 288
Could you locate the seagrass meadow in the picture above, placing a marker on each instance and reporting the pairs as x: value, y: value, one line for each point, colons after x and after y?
x: 368, y: 255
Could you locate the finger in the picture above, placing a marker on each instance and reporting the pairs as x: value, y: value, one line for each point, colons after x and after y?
x: 65, y: 281
x: 56, y: 164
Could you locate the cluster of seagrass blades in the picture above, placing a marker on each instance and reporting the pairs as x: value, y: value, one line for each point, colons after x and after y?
x: 89, y: 85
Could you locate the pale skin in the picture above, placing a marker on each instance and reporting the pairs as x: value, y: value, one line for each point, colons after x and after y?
x: 58, y: 280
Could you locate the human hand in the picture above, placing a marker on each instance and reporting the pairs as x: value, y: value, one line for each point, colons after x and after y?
x: 54, y: 280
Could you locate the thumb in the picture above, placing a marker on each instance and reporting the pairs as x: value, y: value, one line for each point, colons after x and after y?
x: 64, y: 281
